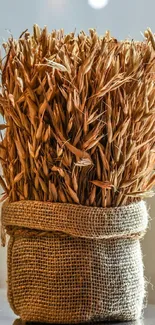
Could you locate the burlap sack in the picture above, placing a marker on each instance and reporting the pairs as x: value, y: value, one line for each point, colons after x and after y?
x: 72, y: 264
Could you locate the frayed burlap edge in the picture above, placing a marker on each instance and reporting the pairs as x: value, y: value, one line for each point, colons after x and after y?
x: 77, y: 220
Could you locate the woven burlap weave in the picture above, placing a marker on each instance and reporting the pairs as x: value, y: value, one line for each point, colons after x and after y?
x: 72, y: 264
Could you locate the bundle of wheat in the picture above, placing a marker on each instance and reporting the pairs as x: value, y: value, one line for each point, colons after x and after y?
x: 77, y: 158
x: 80, y: 118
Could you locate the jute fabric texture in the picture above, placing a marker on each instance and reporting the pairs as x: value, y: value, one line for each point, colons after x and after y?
x: 70, y: 263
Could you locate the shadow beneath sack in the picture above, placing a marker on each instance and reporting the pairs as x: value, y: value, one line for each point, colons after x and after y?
x: 137, y: 322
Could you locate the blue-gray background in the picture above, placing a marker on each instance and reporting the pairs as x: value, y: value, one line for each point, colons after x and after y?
x: 124, y: 18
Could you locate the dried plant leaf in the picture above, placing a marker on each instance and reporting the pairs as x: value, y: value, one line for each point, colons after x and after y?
x: 18, y: 177
x: 144, y: 194
x: 103, y: 185
x: 3, y: 126
x: 56, y: 65
x: 84, y: 162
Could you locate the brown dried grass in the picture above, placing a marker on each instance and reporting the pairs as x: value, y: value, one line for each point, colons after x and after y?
x: 80, y: 118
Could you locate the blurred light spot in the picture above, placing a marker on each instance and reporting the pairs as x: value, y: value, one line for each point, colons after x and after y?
x: 98, y: 4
